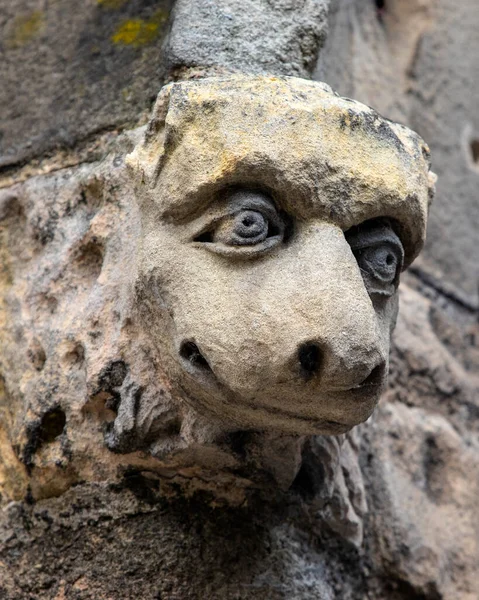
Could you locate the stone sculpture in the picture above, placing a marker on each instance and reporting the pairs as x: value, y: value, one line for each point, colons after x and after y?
x: 189, y: 309
x: 244, y: 258
x: 276, y: 218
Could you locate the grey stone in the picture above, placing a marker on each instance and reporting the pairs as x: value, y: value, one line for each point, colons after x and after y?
x: 254, y: 36
x: 182, y: 509
x: 120, y: 369
x: 70, y: 70
x: 122, y: 542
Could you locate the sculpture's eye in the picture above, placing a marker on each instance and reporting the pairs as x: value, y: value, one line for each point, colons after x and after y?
x: 379, y: 253
x: 247, y: 223
x: 246, y: 228
x: 379, y: 261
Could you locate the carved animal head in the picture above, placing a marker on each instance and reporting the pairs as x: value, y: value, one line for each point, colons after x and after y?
x: 277, y: 217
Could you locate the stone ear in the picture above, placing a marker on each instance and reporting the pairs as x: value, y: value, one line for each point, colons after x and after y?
x: 145, y: 161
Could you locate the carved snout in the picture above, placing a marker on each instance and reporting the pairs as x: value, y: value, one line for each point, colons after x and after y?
x: 313, y: 359
x: 346, y: 354
x: 307, y: 346
x: 332, y: 334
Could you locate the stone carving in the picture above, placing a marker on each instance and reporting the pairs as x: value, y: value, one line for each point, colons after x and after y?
x: 276, y: 218
x: 78, y: 367
x: 234, y: 289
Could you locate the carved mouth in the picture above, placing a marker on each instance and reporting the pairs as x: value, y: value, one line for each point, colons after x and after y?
x: 374, y: 379
x: 197, y: 365
x: 190, y: 352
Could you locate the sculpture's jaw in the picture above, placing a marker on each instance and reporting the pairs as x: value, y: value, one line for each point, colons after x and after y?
x: 239, y: 414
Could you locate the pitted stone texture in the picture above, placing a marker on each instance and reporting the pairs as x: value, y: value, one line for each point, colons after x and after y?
x: 433, y: 358
x: 419, y: 460
x: 67, y: 303
x: 79, y: 239
x: 73, y: 378
x: 71, y: 343
x: 418, y: 455
x: 423, y: 514
x: 99, y: 541
x: 78, y: 371
x: 70, y: 70
x: 418, y: 475
x: 253, y: 36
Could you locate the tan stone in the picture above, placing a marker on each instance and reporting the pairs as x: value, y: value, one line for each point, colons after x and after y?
x: 221, y: 147
x: 125, y: 329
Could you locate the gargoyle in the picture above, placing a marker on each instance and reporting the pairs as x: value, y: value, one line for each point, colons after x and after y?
x: 276, y: 219
x: 234, y: 290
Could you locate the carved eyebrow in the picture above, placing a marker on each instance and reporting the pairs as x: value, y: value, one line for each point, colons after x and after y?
x: 192, y: 198
x: 315, y: 184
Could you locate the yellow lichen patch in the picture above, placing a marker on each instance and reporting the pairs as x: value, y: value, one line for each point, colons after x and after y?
x: 112, y: 4
x: 25, y: 28
x: 139, y: 32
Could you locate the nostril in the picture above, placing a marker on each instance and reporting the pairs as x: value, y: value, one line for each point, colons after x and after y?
x: 190, y: 352
x: 375, y: 377
x: 309, y: 356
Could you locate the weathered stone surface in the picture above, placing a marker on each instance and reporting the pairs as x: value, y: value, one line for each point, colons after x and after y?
x: 111, y: 370
x: 314, y: 166
x: 274, y: 37
x: 70, y: 70
x: 423, y: 512
x: 90, y: 374
x: 387, y: 511
x: 414, y: 493
x: 415, y: 62
x: 421, y: 462
x: 113, y: 543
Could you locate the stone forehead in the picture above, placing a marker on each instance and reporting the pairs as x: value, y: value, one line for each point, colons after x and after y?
x: 267, y: 101
x: 294, y: 137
